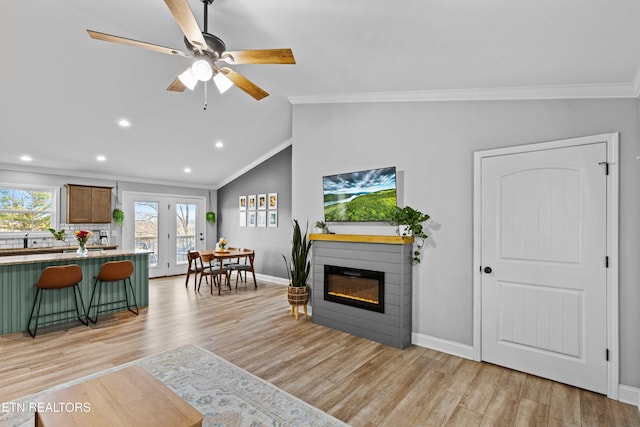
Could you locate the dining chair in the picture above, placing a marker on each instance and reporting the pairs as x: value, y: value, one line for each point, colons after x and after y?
x: 194, y: 267
x: 211, y: 269
x: 248, y: 256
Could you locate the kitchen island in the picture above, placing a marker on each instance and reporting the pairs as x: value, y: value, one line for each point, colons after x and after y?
x: 18, y: 275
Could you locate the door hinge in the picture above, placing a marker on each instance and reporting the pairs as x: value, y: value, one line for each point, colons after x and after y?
x: 606, y: 167
x: 606, y: 262
x: 607, y: 354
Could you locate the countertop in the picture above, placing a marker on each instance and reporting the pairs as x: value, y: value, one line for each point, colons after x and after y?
x: 36, y: 258
x: 51, y: 249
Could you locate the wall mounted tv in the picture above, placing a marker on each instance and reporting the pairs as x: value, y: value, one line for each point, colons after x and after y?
x: 363, y: 196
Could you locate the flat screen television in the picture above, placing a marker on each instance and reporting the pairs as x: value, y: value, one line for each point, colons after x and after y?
x: 363, y: 196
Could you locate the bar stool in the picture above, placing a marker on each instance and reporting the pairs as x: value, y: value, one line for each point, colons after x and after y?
x: 113, y: 271
x: 57, y: 277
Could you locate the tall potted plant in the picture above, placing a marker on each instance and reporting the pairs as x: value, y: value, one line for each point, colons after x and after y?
x: 298, y: 269
x: 409, y: 222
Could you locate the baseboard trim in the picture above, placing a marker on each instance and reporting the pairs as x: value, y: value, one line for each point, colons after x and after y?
x: 629, y: 395
x: 273, y: 279
x: 445, y: 346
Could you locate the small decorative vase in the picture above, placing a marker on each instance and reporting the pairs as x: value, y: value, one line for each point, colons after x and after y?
x: 82, y: 250
x: 404, y: 230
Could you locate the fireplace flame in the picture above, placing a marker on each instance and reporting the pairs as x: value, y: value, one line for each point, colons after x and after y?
x: 357, y: 298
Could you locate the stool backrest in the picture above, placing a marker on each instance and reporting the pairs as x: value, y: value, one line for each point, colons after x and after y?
x: 60, y: 276
x: 115, y: 270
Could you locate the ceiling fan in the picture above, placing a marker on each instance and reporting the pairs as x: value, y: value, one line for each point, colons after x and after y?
x: 208, y: 51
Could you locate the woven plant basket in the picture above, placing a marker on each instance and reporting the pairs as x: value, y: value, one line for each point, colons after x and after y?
x: 298, y: 295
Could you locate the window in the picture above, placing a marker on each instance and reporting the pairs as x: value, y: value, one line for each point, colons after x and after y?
x: 27, y: 209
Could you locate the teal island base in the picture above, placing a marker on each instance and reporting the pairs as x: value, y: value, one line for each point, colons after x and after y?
x: 18, y: 274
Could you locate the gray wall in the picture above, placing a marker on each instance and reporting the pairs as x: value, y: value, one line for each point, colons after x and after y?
x: 271, y: 176
x: 432, y: 145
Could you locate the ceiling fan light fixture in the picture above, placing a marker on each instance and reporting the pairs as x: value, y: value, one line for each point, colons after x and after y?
x: 222, y: 82
x: 202, y: 70
x: 188, y: 79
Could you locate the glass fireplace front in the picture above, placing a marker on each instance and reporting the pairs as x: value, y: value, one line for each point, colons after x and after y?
x: 354, y: 287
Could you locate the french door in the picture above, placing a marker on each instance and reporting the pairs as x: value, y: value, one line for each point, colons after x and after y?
x: 167, y: 226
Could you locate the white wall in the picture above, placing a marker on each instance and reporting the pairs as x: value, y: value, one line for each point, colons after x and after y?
x: 432, y: 145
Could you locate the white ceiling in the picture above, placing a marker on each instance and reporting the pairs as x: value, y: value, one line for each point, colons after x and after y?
x: 62, y: 93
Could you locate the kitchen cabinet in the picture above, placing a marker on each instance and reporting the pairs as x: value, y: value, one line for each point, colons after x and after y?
x: 88, y: 204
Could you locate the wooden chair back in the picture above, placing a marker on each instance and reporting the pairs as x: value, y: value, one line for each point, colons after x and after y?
x: 113, y: 271
x: 60, y: 276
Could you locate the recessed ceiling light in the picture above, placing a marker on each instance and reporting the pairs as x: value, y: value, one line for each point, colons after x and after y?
x: 26, y: 158
x: 219, y: 144
x: 101, y: 158
x: 124, y: 123
x: 187, y: 170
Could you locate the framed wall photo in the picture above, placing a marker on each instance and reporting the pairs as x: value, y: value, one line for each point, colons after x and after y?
x: 251, y: 202
x: 262, y: 219
x: 251, y: 219
x: 272, y: 219
x: 273, y: 201
x: 262, y: 201
x: 243, y: 219
x: 242, y: 203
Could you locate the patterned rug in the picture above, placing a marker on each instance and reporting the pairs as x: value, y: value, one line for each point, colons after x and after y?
x: 225, y: 394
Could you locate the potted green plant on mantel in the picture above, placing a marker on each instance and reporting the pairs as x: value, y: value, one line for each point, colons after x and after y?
x: 298, y: 270
x: 409, y: 222
x: 321, y: 227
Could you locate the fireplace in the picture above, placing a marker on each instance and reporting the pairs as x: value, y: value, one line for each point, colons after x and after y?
x: 391, y: 323
x: 355, y: 287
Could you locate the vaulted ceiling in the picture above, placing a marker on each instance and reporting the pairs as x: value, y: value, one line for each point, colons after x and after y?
x: 62, y: 93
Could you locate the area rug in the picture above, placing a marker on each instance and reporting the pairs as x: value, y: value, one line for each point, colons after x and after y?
x: 225, y: 394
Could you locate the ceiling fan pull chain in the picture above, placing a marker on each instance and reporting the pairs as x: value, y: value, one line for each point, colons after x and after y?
x: 205, y: 96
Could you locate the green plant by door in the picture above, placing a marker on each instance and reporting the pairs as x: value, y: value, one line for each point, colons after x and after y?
x: 118, y: 216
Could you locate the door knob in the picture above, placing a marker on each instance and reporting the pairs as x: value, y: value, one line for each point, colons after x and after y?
x: 488, y: 270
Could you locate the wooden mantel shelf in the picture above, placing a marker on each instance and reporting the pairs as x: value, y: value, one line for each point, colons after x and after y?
x: 361, y: 238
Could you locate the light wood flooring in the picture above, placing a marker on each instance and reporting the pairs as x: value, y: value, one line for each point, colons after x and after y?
x: 358, y: 381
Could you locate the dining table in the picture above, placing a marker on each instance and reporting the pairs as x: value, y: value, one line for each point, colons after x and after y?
x: 226, y: 254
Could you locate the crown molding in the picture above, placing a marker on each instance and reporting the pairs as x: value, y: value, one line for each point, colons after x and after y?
x: 636, y: 83
x: 581, y: 91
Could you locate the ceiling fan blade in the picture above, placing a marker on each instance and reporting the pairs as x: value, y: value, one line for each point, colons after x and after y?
x: 176, y: 86
x: 183, y: 15
x: 243, y: 83
x: 259, y: 56
x: 123, y: 40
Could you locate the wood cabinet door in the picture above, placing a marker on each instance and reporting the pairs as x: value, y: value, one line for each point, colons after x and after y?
x: 101, y: 205
x: 78, y: 204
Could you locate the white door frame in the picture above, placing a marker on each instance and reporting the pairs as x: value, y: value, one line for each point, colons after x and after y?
x: 611, y: 140
x: 128, y: 197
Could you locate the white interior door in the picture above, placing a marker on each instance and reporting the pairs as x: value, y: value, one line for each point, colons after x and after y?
x: 543, y: 263
x: 167, y: 226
